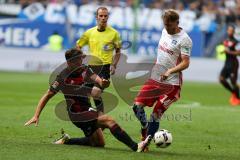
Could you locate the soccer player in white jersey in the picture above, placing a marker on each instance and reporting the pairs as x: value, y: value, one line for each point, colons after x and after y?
x: 164, y: 86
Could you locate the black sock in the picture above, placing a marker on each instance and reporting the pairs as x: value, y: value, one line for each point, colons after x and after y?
x: 122, y: 136
x: 79, y: 141
x: 99, y: 104
x: 140, y: 114
x: 226, y: 85
x: 153, y: 126
x: 236, y: 91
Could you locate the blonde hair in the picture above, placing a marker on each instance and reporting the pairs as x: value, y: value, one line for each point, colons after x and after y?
x: 170, y: 15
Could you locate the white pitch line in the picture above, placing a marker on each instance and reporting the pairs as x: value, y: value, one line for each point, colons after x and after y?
x: 197, y: 105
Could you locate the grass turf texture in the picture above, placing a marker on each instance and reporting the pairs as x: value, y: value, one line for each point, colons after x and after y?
x: 203, y: 125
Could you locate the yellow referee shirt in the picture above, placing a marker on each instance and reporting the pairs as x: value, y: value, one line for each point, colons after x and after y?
x: 101, y: 44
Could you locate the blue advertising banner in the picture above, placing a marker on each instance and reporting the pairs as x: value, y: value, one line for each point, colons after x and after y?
x: 35, y: 34
x: 34, y: 26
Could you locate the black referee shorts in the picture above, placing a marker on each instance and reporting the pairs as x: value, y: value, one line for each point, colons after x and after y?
x: 102, y: 71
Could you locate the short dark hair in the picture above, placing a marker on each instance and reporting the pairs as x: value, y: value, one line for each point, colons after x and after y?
x: 232, y: 26
x: 170, y: 15
x: 101, y: 8
x: 73, y: 53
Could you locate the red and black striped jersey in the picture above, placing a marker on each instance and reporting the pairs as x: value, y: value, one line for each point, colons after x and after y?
x: 70, y: 83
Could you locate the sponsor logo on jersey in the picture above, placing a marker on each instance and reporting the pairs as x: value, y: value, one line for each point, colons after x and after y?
x: 174, y: 42
x: 166, y: 50
x: 55, y: 84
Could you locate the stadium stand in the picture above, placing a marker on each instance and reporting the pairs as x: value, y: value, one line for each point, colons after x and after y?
x: 210, y: 17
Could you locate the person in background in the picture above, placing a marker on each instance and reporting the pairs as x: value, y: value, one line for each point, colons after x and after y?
x: 103, y: 41
x: 230, y: 68
x: 55, y: 42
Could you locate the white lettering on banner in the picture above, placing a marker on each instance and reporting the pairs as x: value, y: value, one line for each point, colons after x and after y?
x: 20, y: 36
x: 6, y: 35
x: 146, y: 18
x: 86, y: 15
x: 187, y: 20
x: 17, y: 36
x: 125, y: 35
x: 143, y: 20
x: 117, y: 17
x: 72, y: 11
x: 120, y: 17
x: 156, y: 36
x: 144, y: 37
x: 150, y: 51
x: 154, y: 20
x: 31, y: 37
x: 141, y: 51
x: 128, y: 18
x: 54, y: 13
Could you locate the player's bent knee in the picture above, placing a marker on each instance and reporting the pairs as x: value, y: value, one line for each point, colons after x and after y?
x: 110, y: 121
x: 106, y: 121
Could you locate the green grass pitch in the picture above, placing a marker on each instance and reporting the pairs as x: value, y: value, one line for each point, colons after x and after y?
x: 203, y: 125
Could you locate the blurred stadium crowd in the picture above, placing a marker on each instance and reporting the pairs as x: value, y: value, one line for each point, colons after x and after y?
x: 222, y: 11
x: 228, y: 10
x: 219, y: 12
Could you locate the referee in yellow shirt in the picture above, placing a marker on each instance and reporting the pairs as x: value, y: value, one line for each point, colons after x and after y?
x: 102, y: 41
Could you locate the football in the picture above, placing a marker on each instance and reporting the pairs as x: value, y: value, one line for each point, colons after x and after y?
x: 163, y: 138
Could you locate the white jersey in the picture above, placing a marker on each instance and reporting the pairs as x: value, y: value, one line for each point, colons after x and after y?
x: 170, y: 49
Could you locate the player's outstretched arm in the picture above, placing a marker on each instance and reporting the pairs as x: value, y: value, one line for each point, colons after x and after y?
x: 41, y: 104
x: 237, y: 52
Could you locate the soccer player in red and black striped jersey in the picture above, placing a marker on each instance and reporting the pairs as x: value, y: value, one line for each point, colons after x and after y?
x: 230, y: 68
x: 71, y: 82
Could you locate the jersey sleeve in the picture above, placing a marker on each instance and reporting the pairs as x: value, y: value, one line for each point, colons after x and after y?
x: 83, y: 40
x: 57, y: 85
x: 186, y: 46
x: 87, y: 74
x: 117, y: 40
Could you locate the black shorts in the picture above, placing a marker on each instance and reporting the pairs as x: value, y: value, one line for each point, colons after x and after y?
x: 88, y: 128
x: 102, y: 71
x: 229, y: 71
x: 87, y: 121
